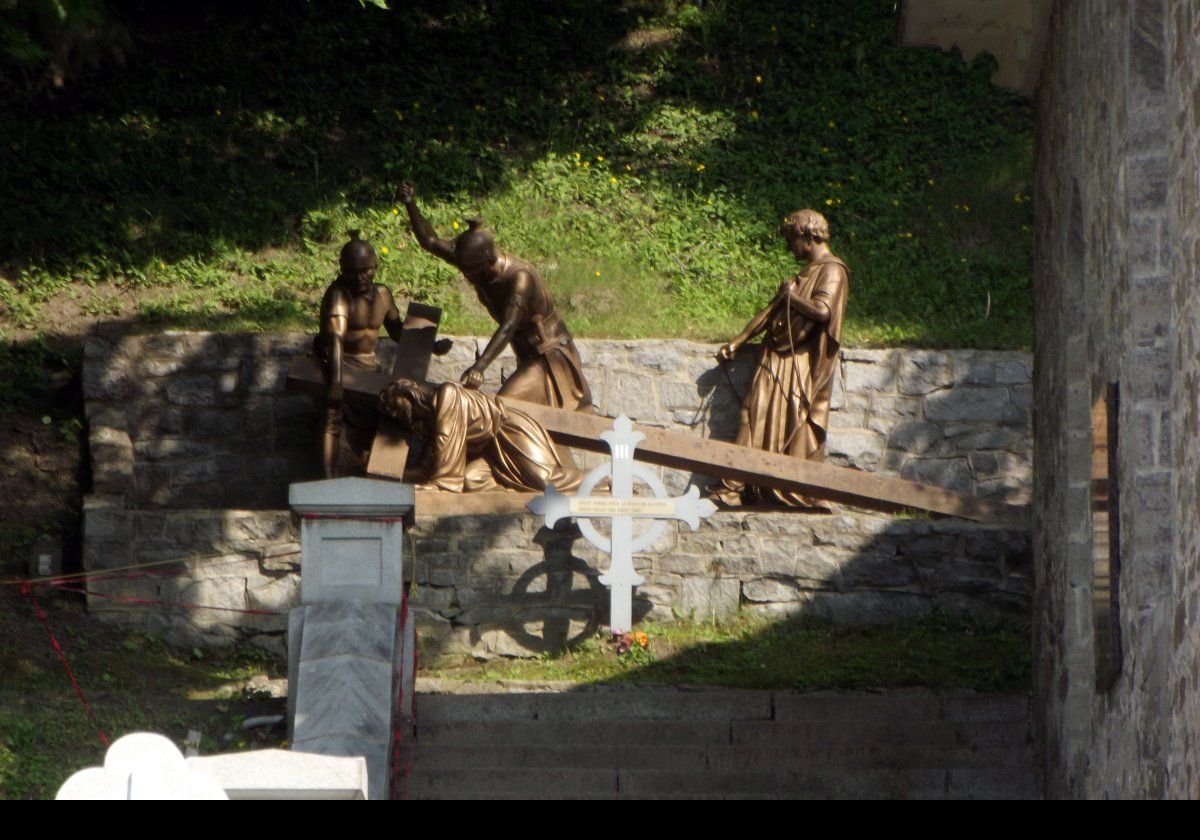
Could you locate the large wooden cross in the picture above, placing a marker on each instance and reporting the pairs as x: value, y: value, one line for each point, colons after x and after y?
x: 389, y: 450
x: 721, y: 460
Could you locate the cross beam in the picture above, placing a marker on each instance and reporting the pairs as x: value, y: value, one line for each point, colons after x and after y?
x: 389, y: 450
x: 705, y: 456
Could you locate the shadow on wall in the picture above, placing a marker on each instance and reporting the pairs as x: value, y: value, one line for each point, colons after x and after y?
x: 197, y: 420
x: 502, y: 586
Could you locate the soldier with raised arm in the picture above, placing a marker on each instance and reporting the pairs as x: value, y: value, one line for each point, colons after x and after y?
x: 549, y: 370
x: 352, y: 311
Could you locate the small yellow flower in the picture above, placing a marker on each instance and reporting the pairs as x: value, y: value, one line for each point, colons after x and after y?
x: 966, y: 209
x: 904, y: 119
x: 395, y: 211
x: 831, y: 124
x: 824, y: 148
x: 218, y: 112
x: 454, y: 225
x: 600, y: 158
x: 710, y: 201
x: 754, y: 115
x: 829, y: 201
x: 612, y: 179
x: 628, y: 168
x: 600, y: 96
x: 586, y: 164
x: 931, y: 182
x: 758, y: 80
x: 699, y: 167
x: 597, y: 273
x: 383, y: 250
x: 162, y: 265
x: 576, y: 155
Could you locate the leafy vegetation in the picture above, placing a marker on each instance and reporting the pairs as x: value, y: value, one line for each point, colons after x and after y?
x: 640, y: 153
x: 936, y: 651
x: 134, y: 683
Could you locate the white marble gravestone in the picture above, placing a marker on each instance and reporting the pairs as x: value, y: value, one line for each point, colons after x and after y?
x: 147, y: 766
x: 350, y: 647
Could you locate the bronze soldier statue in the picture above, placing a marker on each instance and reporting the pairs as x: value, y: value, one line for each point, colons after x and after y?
x: 549, y: 370
x: 352, y: 311
x: 787, y: 408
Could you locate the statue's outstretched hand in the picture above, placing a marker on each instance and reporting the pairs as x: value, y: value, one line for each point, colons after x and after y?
x: 405, y: 192
x: 727, y: 351
x: 472, y: 378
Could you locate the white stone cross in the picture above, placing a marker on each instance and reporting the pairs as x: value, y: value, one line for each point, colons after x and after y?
x: 622, y: 508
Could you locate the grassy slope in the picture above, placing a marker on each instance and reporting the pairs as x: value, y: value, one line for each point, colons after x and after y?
x: 641, y: 154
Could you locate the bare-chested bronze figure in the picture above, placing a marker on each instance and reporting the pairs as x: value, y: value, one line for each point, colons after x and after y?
x: 352, y: 311
x: 549, y: 370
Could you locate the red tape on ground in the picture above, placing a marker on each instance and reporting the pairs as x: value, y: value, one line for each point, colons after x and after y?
x: 62, y: 656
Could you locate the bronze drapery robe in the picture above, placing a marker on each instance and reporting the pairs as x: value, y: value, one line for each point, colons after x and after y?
x: 787, y: 407
x: 545, y: 343
x: 479, y: 443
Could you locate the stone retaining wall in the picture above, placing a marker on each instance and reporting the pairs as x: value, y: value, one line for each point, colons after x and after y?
x: 194, y: 442
x: 499, y: 584
x: 195, y: 420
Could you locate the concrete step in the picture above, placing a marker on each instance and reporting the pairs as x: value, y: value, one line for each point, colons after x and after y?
x: 905, y: 704
x: 450, y: 733
x: 762, y: 733
x: 630, y: 703
x: 665, y: 743
x: 769, y: 733
x: 723, y: 758
x: 715, y: 784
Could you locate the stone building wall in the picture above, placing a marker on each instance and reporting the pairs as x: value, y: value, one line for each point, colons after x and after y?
x: 1114, y: 291
x: 199, y: 420
x: 1183, y: 34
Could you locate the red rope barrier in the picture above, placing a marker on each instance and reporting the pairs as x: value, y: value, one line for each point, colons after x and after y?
x: 156, y: 563
x: 398, y: 720
x: 62, y: 656
x: 156, y: 603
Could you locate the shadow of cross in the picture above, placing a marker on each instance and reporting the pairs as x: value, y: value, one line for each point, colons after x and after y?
x: 389, y: 450
x: 557, y: 602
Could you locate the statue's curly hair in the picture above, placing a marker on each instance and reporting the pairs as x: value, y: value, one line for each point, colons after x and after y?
x: 806, y: 223
x: 400, y: 398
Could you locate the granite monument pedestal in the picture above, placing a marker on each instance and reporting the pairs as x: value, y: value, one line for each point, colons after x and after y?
x: 350, y: 645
